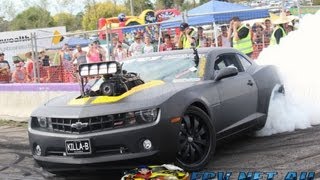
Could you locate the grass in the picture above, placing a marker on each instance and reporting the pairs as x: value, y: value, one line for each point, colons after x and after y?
x: 12, y: 123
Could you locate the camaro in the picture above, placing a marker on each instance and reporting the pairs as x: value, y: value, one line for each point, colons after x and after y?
x: 166, y: 107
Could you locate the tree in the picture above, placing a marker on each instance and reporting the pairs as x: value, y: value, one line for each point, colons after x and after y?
x: 203, y: 1
x: 94, y: 11
x: 33, y: 17
x: 66, y: 19
x: 139, y: 5
x: 4, y: 24
x: 164, y: 4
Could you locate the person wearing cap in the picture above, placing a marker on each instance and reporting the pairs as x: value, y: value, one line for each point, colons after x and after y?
x: 4, y: 69
x: 241, y: 39
x: 136, y: 47
x: 279, y: 31
x: 185, y: 38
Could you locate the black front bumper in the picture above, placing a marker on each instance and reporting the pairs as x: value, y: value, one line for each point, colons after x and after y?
x: 114, y: 149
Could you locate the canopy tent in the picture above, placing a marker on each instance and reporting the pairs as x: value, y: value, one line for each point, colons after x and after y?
x: 73, y: 42
x: 218, y: 12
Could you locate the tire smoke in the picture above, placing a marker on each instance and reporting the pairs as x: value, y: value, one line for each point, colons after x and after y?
x: 298, y: 61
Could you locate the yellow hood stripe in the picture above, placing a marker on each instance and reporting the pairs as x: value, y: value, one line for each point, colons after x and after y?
x: 112, y: 99
x: 80, y: 101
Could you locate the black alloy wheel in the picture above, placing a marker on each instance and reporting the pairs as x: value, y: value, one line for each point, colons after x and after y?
x: 196, y: 140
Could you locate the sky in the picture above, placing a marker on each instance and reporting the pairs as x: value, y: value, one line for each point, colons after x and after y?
x: 9, y: 8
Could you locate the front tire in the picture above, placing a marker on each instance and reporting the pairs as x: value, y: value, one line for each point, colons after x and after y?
x: 197, y: 140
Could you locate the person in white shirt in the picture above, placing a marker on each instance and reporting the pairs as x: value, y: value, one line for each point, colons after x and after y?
x: 119, y: 52
x: 136, y: 48
x: 148, y: 47
x: 223, y: 39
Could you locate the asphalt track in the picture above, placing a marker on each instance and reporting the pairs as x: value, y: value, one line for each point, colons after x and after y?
x: 295, y: 151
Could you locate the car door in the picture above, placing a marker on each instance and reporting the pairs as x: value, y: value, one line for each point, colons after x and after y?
x: 238, y: 94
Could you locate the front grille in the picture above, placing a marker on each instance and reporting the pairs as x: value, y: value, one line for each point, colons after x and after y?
x: 92, y: 124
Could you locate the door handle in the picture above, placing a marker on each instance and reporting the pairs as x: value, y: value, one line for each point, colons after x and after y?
x: 250, y: 83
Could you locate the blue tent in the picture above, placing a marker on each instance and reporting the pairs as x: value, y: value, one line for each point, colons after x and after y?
x: 72, y: 42
x: 223, y: 12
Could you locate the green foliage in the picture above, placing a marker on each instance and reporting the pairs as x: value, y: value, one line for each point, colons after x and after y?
x: 139, y: 6
x: 166, y: 4
x: 95, y: 11
x: 33, y: 17
x: 71, y: 22
x: 4, y: 24
x: 316, y: 2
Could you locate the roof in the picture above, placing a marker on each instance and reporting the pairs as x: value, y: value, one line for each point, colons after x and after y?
x: 223, y: 12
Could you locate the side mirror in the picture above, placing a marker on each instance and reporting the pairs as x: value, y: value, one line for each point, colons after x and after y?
x: 226, y: 72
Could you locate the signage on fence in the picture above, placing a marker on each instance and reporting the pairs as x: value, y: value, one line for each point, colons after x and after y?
x: 17, y: 42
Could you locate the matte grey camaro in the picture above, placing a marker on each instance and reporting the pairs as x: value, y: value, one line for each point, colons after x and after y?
x: 158, y: 108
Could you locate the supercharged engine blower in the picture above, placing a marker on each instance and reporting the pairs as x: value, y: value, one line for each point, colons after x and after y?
x: 115, y: 80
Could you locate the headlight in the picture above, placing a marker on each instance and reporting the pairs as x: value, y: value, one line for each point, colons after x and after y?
x: 149, y: 115
x: 43, y: 122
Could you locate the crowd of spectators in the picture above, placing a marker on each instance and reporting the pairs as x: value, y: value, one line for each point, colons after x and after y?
x: 231, y: 35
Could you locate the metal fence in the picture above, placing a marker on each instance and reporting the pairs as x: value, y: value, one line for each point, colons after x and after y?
x: 57, y: 70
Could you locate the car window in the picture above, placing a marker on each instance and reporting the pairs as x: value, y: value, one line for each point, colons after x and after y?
x: 244, y: 61
x: 226, y: 60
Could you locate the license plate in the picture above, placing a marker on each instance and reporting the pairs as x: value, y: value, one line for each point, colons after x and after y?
x: 78, y: 147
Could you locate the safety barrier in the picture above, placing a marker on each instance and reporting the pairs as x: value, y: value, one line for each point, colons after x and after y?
x: 17, y: 101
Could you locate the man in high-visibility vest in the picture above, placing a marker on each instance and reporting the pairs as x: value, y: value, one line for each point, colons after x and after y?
x: 279, y: 32
x: 241, y: 36
x: 186, y: 38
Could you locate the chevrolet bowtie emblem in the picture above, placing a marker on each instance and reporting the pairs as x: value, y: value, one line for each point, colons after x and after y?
x: 79, y: 125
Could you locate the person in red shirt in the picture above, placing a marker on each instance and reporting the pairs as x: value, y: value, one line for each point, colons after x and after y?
x: 167, y: 45
x: 29, y: 65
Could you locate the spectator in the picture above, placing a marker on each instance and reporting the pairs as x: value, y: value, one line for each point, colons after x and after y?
x: 279, y: 31
x: 93, y: 54
x: 223, y: 39
x: 267, y: 32
x: 176, y: 41
x: 241, y: 36
x: 258, y: 35
x: 148, y: 47
x: 115, y: 41
x: 29, y: 66
x: 120, y: 53
x: 102, y: 51
x: 80, y: 57
x: 4, y: 69
x: 167, y: 45
x: 44, y: 58
x: 136, y: 47
x: 66, y: 59
x: 201, y: 39
x: 19, y: 75
x: 185, y: 38
x: 156, y: 40
x: 290, y: 27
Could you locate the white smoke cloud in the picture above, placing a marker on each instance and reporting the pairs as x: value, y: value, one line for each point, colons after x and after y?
x: 297, y: 58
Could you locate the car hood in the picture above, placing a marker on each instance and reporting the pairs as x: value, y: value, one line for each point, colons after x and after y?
x: 73, y: 107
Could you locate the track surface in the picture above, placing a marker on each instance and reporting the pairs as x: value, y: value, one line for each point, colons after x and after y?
x: 295, y: 151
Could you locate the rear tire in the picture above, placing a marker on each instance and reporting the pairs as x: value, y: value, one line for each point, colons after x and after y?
x: 197, y: 140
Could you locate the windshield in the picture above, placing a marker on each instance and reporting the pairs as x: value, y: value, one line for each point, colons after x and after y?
x: 169, y: 68
x: 166, y: 67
